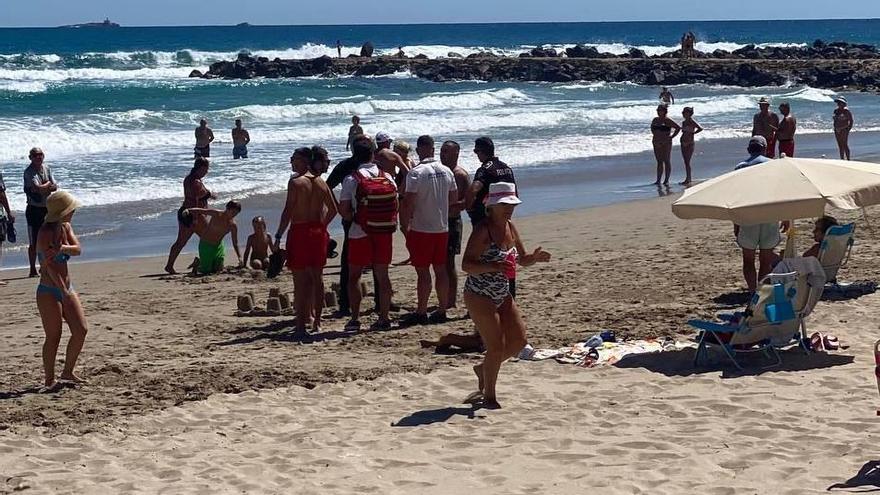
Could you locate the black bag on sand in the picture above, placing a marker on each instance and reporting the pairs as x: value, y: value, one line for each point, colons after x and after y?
x: 276, y: 263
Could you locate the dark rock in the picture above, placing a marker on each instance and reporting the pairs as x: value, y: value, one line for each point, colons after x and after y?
x: 244, y: 57
x: 454, y: 55
x: 196, y: 73
x: 636, y: 53
x: 656, y: 77
x: 581, y: 51
x: 262, y: 60
x: 367, y: 49
x: 421, y: 56
x: 818, y: 44
x: 543, y: 53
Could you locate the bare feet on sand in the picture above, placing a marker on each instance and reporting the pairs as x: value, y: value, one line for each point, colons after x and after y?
x: 170, y: 270
x: 71, y: 377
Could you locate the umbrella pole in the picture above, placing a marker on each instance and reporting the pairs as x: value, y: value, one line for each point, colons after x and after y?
x: 865, y: 217
x: 790, y: 241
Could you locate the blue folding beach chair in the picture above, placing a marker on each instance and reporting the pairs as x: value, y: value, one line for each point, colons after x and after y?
x: 835, y: 249
x: 773, y: 319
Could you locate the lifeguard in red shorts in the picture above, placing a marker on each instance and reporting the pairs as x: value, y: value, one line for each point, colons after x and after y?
x: 424, y: 217
x: 310, y: 207
x: 369, y: 201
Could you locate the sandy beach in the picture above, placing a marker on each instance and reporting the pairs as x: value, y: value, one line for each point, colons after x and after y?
x: 187, y: 398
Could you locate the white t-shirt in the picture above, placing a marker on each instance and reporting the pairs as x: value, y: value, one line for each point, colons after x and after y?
x: 349, y: 193
x: 432, y: 183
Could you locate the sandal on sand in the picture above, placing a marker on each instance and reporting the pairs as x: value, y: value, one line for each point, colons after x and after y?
x: 353, y: 326
x: 55, y: 387
x: 831, y: 343
x: 817, y: 342
x: 473, y: 398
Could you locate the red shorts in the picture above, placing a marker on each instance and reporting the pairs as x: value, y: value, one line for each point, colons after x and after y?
x: 787, y: 147
x: 770, y: 152
x: 426, y: 249
x: 307, y: 245
x: 374, y: 249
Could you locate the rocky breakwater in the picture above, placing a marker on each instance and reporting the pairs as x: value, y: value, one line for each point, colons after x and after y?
x: 833, y: 66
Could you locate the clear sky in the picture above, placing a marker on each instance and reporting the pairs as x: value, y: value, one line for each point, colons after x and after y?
x: 218, y: 12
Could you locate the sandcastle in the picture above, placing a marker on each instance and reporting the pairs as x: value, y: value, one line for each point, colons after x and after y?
x: 277, y: 304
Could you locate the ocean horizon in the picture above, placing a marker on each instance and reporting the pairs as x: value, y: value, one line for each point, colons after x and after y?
x: 114, y: 109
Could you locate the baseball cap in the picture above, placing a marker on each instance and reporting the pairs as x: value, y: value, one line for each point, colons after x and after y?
x: 764, y: 101
x: 383, y: 137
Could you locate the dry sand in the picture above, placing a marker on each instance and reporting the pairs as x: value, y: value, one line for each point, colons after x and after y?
x: 184, y: 397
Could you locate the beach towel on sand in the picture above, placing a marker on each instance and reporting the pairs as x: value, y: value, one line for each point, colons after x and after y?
x: 211, y: 257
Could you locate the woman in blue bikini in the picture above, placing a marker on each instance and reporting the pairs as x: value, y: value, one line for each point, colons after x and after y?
x: 492, y: 253
x: 56, y: 298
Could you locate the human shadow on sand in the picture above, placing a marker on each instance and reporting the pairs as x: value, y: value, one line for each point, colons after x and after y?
x: 681, y: 363
x: 279, y: 331
x: 734, y: 299
x: 867, y: 480
x: 442, y: 415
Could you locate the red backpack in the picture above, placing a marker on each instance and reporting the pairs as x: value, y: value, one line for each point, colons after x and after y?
x: 376, y: 211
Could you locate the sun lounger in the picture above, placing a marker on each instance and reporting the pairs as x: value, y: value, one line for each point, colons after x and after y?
x: 835, y: 249
x: 774, y: 318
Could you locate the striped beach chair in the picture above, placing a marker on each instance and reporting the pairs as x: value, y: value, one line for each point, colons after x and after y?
x: 775, y: 317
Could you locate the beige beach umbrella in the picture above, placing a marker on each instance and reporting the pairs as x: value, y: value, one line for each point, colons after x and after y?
x: 783, y: 189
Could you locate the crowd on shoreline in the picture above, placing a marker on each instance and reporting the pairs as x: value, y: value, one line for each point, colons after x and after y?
x: 779, y: 133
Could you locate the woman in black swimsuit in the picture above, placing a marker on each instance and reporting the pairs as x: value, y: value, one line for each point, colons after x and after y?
x: 660, y: 128
x: 195, y: 195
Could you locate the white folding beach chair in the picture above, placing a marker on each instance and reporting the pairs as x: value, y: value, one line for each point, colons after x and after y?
x: 835, y: 249
x: 775, y: 318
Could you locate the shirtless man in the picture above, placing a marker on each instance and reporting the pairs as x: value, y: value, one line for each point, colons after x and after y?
x: 240, y: 140
x: 449, y: 154
x: 666, y: 96
x: 204, y: 138
x: 212, y: 255
x: 309, y: 209
x: 765, y: 124
x: 787, y: 128
x: 387, y: 160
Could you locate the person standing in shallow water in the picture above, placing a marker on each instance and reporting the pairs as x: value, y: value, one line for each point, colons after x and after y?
x: 204, y: 138
x: 765, y: 124
x: 689, y: 128
x: 240, y: 140
x: 661, y: 127
x: 787, y: 129
x: 57, y: 301
x: 843, y: 124
x: 38, y: 185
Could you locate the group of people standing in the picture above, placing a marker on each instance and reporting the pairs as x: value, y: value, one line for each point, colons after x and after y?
x: 778, y: 133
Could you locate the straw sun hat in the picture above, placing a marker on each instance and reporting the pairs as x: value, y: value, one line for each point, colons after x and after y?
x: 60, y: 204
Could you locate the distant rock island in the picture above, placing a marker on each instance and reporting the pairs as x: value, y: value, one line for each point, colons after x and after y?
x: 105, y: 24
x: 243, y: 24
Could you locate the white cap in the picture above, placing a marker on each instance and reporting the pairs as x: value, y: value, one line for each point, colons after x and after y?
x: 382, y: 137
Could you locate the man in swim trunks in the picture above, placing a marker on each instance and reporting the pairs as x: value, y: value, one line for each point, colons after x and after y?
x: 212, y: 256
x: 38, y: 185
x: 240, y: 140
x: 309, y: 209
x: 766, y: 124
x: 366, y: 249
x: 761, y: 238
x: 354, y: 131
x: 424, y: 217
x: 449, y: 154
x: 666, y: 96
x: 204, y: 138
x: 787, y: 129
x: 491, y: 171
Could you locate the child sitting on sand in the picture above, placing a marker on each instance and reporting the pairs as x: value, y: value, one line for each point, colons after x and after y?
x: 259, y: 244
x: 212, y: 255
